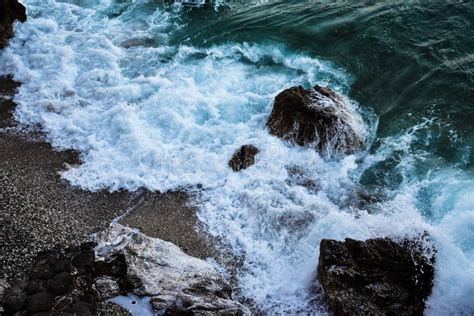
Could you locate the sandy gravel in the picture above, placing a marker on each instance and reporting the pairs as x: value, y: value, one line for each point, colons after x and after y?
x: 39, y: 210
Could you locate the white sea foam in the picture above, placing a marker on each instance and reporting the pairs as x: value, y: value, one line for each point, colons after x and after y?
x: 146, y: 113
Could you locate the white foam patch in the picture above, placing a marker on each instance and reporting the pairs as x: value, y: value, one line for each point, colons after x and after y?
x: 105, y: 79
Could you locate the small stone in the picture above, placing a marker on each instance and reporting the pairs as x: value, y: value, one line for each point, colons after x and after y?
x: 62, y: 265
x: 3, y: 287
x: 61, y: 283
x: 42, y: 270
x: 35, y: 286
x: 107, y: 287
x: 90, y: 299
x: 83, y: 309
x: 63, y: 303
x: 48, y: 255
x: 84, y: 262
x: 15, y: 297
x: 243, y: 158
x: 40, y: 302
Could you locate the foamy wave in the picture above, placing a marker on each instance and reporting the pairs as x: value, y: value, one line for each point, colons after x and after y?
x: 106, y: 79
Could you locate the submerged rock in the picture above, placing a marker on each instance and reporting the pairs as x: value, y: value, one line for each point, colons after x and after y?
x: 10, y: 10
x: 318, y: 118
x: 176, y: 282
x: 243, y: 158
x: 377, y: 276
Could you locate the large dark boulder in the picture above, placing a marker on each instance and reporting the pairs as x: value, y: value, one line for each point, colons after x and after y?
x: 376, y: 277
x: 243, y: 158
x: 318, y: 118
x: 10, y: 10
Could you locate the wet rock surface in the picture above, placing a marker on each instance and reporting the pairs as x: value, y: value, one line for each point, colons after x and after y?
x: 243, y: 158
x: 68, y: 281
x: 10, y: 11
x: 178, y: 284
x: 318, y: 118
x: 56, y: 284
x: 377, y: 276
x: 80, y: 279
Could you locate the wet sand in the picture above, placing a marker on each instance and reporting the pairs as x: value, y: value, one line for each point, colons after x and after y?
x: 39, y: 210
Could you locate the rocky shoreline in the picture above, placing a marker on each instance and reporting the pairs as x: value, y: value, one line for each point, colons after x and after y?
x: 39, y: 211
x: 150, y: 244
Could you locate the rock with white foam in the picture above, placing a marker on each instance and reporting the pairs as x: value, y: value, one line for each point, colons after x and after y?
x: 175, y: 281
x: 318, y: 118
x: 243, y: 158
x: 376, y: 276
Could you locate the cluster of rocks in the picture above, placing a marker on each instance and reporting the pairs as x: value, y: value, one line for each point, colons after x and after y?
x: 66, y: 281
x: 317, y: 118
x: 373, y: 277
x: 376, y: 276
x: 73, y: 281
x: 10, y: 11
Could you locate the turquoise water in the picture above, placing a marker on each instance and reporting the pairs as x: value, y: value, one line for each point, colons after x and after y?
x: 160, y: 95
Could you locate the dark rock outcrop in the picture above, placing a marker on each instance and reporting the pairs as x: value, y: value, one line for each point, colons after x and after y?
x: 74, y: 281
x: 377, y: 276
x: 10, y: 10
x: 318, y: 118
x: 59, y: 281
x: 243, y: 158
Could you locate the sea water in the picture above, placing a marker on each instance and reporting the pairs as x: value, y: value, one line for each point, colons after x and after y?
x: 159, y: 95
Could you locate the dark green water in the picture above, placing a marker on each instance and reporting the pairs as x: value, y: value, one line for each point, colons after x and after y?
x: 409, y: 61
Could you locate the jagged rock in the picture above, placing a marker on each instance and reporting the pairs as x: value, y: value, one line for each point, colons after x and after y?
x: 107, y: 287
x: 243, y: 158
x: 318, y: 118
x: 175, y: 281
x: 15, y: 297
x: 377, y: 276
x: 10, y: 10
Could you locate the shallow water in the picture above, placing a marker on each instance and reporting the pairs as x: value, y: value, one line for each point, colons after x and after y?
x: 160, y: 96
